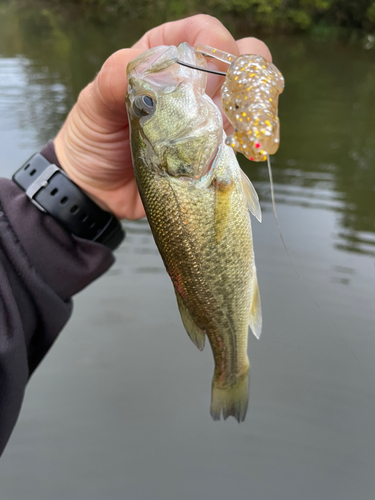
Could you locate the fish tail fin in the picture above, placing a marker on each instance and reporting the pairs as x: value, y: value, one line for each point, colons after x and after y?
x: 230, y: 400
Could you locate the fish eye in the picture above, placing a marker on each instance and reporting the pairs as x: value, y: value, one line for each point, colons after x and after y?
x: 143, y: 105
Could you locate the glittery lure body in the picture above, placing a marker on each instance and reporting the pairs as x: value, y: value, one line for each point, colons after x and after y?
x: 197, y: 200
x: 250, y: 102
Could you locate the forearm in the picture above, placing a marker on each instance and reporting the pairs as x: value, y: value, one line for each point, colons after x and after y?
x: 41, y: 267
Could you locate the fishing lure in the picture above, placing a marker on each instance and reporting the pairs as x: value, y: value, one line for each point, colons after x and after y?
x: 250, y: 95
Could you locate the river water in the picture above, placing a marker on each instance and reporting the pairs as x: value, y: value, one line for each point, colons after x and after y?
x: 119, y: 409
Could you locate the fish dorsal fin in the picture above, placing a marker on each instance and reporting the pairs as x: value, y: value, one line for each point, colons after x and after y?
x: 251, y: 195
x: 196, y: 334
x: 255, y: 314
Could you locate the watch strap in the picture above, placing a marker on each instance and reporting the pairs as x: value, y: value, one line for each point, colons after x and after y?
x: 51, y: 190
x: 49, y: 154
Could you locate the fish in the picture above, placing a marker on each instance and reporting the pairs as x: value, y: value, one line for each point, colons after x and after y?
x: 197, y: 201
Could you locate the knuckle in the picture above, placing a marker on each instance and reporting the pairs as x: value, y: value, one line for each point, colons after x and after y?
x: 252, y: 45
x: 205, y: 19
x: 84, y: 94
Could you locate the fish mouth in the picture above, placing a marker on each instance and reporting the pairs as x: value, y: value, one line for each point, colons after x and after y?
x: 153, y: 60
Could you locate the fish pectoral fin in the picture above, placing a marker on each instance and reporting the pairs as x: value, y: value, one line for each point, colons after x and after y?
x: 223, y: 191
x: 251, y: 195
x: 255, y: 315
x: 196, y: 334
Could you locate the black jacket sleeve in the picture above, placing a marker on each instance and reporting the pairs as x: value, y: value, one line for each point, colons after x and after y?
x: 41, y: 268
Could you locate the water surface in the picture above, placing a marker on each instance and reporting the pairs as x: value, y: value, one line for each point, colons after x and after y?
x: 120, y: 407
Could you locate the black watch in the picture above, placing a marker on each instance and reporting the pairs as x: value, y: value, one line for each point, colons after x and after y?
x: 51, y: 190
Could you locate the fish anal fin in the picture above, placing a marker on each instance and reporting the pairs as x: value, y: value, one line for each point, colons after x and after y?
x: 223, y: 191
x: 251, y: 195
x: 196, y: 334
x: 255, y: 314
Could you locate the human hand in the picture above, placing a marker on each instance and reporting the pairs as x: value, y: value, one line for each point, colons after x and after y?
x: 93, y: 144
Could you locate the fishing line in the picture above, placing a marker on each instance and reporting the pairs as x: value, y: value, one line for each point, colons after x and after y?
x: 307, y: 291
x: 282, y: 238
x: 275, y: 213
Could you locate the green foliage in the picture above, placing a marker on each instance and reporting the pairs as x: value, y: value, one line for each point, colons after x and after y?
x: 300, y: 19
x: 370, y: 13
x: 275, y: 15
x: 301, y: 14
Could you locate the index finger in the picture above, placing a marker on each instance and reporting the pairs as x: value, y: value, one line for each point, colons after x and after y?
x: 195, y: 30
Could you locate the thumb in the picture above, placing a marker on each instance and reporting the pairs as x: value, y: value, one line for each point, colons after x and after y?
x: 105, y: 96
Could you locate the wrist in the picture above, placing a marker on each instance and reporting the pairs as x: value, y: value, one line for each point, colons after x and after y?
x: 53, y: 192
x: 63, y: 158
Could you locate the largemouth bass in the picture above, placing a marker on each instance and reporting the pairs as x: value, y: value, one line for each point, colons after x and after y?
x: 197, y: 201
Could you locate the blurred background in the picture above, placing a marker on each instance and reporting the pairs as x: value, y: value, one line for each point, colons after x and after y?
x: 120, y: 407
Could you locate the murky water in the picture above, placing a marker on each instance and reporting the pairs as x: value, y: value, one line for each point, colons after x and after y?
x: 120, y: 407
